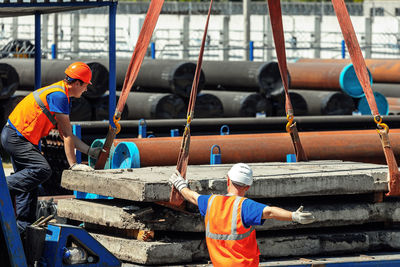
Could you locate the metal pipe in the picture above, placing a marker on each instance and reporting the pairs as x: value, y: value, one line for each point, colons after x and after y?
x: 298, y: 102
x: 203, y: 126
x: 142, y: 105
x: 383, y: 70
x: 327, y: 103
x: 358, y: 146
x: 53, y: 71
x: 329, y: 76
x: 81, y: 110
x: 242, y: 104
x: 387, y: 89
x: 262, y: 77
x: 9, y: 80
x: 173, y: 76
x: 208, y: 106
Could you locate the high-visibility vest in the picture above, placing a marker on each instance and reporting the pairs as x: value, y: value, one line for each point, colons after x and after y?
x: 32, y: 117
x: 229, y: 242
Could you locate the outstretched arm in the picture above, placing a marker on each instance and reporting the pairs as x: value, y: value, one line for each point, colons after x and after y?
x: 285, y: 215
x: 276, y: 213
x: 190, y: 195
x: 182, y: 186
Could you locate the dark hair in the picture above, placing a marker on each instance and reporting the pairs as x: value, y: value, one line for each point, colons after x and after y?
x: 70, y: 80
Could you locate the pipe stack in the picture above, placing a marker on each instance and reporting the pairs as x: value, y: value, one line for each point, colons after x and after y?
x: 383, y: 72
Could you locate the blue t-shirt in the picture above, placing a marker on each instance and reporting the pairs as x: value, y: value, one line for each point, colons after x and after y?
x: 251, y: 210
x: 58, y: 102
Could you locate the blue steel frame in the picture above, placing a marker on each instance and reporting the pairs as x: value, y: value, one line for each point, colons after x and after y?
x: 112, y: 42
x: 9, y: 225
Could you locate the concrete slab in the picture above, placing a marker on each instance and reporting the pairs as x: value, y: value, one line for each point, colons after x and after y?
x: 111, y: 214
x: 278, y: 246
x: 270, y: 180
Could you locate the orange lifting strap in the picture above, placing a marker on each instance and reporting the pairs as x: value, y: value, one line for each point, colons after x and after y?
x: 133, y: 69
x: 175, y: 197
x: 275, y: 14
x: 362, y: 74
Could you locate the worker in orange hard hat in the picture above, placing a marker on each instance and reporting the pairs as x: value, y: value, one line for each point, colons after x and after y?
x: 230, y: 219
x: 33, y: 118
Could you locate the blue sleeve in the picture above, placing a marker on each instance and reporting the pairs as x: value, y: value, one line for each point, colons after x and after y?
x: 252, y: 213
x: 58, y: 102
x: 202, y: 202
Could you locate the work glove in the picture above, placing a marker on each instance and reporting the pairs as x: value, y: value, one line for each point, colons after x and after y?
x: 178, y: 181
x: 94, y: 152
x: 302, y: 217
x: 81, y: 167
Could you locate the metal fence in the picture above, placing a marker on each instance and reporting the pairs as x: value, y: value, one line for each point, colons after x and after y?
x: 223, y: 42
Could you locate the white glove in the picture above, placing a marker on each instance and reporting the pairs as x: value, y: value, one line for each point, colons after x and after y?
x: 178, y: 181
x: 94, y: 152
x: 302, y: 217
x: 81, y: 167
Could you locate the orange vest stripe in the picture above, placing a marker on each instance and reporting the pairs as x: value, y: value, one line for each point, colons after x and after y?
x: 229, y: 242
x: 32, y: 117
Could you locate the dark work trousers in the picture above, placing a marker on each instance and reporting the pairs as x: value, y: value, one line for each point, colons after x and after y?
x: 30, y: 170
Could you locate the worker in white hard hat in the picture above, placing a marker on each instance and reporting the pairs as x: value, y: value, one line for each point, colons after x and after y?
x: 230, y: 218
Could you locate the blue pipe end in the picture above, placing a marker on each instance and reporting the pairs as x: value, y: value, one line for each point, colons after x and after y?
x: 126, y: 156
x: 381, y: 102
x: 100, y: 143
x: 349, y: 82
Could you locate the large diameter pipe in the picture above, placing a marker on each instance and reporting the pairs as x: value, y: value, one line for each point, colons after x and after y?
x: 387, y: 89
x: 53, y: 71
x: 208, y: 106
x: 381, y: 102
x: 358, y: 146
x: 329, y: 76
x: 142, y: 105
x: 383, y: 70
x: 262, y: 77
x: 242, y: 104
x: 100, y: 108
x: 9, y: 80
x: 81, y: 109
x: 299, y: 104
x: 327, y: 103
x: 10, y: 103
x: 164, y: 76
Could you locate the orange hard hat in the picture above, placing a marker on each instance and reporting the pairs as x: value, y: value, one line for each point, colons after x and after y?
x: 79, y: 71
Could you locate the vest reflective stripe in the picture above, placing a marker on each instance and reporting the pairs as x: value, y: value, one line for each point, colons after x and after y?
x: 36, y: 95
x: 234, y: 235
x: 30, y: 117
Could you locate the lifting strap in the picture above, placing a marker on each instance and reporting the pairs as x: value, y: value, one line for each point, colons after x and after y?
x: 175, y: 197
x: 362, y: 74
x: 133, y: 69
x: 275, y: 14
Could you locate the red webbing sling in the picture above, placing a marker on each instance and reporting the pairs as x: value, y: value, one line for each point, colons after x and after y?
x: 362, y: 74
x: 275, y: 14
x: 175, y: 197
x: 136, y: 61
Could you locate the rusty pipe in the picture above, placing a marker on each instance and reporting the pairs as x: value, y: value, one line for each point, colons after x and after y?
x: 328, y: 76
x: 382, y: 70
x: 358, y: 146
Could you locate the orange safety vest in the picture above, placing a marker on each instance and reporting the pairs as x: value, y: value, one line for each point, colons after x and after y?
x: 32, y: 117
x: 229, y: 242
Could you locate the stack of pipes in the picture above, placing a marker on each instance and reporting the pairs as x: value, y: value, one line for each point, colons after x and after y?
x: 18, y: 80
x: 383, y: 73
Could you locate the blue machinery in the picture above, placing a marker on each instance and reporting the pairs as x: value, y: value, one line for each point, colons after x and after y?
x: 58, y: 238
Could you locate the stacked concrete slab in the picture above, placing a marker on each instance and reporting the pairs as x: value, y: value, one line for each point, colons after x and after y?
x: 346, y: 198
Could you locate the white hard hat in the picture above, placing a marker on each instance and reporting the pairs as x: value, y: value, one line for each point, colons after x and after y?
x: 241, y: 173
